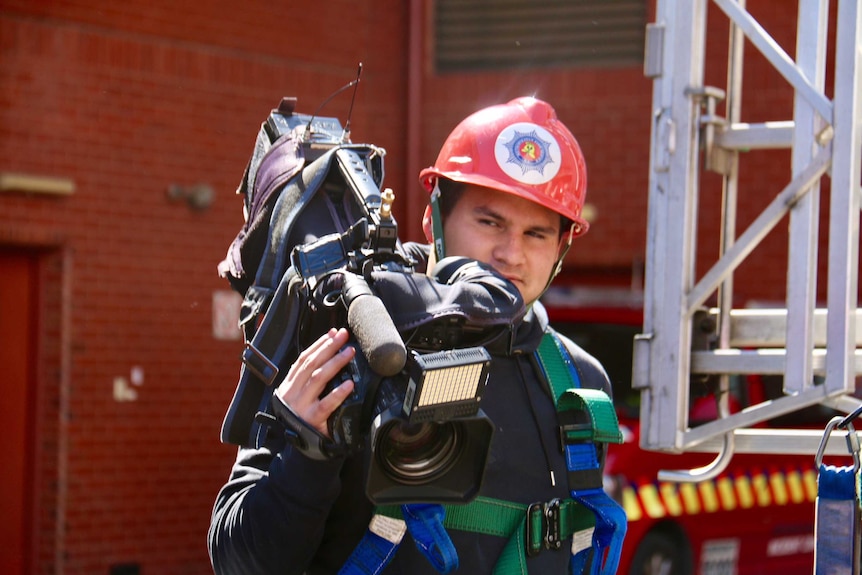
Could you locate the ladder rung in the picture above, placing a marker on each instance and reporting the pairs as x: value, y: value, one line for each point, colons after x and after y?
x: 760, y: 361
x: 758, y: 328
x: 768, y: 135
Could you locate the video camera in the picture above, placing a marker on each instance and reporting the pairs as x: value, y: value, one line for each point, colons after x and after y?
x: 414, y: 412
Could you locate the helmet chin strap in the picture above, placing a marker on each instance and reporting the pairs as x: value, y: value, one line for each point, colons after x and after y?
x: 558, y: 266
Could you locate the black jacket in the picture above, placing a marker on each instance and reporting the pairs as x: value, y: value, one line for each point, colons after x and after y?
x: 285, y: 513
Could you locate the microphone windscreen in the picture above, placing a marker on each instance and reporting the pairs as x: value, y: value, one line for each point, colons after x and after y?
x: 377, y: 336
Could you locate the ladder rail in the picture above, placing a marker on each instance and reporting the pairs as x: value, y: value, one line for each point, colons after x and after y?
x: 812, y: 20
x: 844, y: 198
x: 669, y: 258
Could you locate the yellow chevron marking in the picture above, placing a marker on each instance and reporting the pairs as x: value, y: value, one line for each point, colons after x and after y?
x: 631, y: 505
x: 744, y: 492
x: 689, y: 498
x: 779, y: 488
x: 708, y: 495
x: 795, y: 487
x: 761, y: 490
x: 809, y: 480
x: 726, y: 494
x: 671, y: 498
x: 651, y: 502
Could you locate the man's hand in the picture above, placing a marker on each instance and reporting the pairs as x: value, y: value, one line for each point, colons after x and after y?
x: 310, y: 373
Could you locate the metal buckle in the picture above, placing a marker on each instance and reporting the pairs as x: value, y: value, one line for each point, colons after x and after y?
x: 551, y: 528
x: 252, y: 352
x: 564, y: 430
x: 853, y: 447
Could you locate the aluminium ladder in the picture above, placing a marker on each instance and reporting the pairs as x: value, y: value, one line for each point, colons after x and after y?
x: 799, y: 342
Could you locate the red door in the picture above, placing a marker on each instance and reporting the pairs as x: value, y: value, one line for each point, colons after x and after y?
x: 18, y: 289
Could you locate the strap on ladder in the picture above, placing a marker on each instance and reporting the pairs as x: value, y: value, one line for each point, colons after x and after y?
x: 837, y: 536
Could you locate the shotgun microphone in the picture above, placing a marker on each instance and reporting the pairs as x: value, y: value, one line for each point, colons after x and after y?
x: 372, y: 327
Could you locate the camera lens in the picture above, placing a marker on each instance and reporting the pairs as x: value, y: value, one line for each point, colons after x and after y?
x: 418, y: 453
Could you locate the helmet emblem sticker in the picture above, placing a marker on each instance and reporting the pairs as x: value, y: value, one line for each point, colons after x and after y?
x: 528, y: 153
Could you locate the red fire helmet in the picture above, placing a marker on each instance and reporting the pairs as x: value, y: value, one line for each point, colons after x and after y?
x: 520, y: 148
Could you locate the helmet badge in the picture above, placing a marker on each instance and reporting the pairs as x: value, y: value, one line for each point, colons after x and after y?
x: 527, y: 153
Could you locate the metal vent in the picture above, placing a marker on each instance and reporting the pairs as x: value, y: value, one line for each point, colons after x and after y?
x: 475, y: 35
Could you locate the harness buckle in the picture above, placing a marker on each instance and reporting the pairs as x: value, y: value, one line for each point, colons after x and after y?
x: 547, y: 534
x: 553, y: 529
x: 264, y: 369
x: 573, y: 433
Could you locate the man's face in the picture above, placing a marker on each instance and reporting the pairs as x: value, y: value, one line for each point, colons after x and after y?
x: 520, y: 239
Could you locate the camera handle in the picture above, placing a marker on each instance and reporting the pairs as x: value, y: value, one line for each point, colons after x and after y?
x: 307, y: 439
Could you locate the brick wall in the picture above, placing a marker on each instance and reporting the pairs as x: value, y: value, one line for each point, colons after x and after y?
x: 126, y: 100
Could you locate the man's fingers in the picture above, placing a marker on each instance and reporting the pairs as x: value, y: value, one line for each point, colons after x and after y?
x: 318, y: 358
x: 321, y: 341
x: 308, y: 376
x: 329, y: 369
x: 330, y: 402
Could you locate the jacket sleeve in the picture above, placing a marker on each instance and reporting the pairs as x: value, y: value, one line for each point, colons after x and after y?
x: 270, y: 515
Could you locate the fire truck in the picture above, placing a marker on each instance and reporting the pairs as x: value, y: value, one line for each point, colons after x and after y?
x: 733, y: 408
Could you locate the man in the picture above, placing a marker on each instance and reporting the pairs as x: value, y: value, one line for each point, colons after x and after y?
x: 507, y: 191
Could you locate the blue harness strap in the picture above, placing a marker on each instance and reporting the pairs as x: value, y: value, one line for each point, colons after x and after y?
x: 837, y: 516
x: 386, y: 531
x: 595, y: 523
x: 425, y: 524
x: 837, y: 512
x: 376, y: 547
x: 588, y: 420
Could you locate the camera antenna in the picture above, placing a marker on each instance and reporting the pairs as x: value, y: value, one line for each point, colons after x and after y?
x: 346, y: 134
x: 347, y: 86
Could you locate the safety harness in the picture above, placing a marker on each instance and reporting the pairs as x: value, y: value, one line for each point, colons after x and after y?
x: 594, y: 521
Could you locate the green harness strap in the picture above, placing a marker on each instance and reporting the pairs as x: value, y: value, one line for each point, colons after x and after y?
x: 524, y: 524
x: 569, y: 395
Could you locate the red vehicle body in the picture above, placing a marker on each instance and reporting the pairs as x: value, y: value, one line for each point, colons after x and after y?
x: 757, y: 517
